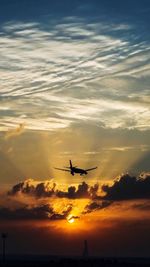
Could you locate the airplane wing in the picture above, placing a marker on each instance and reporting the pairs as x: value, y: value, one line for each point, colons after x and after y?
x: 91, y: 169
x: 62, y: 170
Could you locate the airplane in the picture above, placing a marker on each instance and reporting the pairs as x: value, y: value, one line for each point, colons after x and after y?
x: 73, y: 169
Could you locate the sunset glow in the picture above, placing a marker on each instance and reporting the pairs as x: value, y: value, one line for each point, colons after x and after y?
x: 75, y: 127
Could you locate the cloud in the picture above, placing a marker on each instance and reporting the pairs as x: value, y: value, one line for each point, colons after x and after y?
x: 48, y: 189
x: 41, y: 212
x: 145, y: 206
x: 47, y: 200
x: 128, y: 187
x: 28, y: 187
x: 33, y: 213
x: 96, y: 74
x: 83, y: 191
x: 94, y: 206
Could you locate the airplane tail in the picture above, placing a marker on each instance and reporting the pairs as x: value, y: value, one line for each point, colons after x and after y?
x: 70, y: 164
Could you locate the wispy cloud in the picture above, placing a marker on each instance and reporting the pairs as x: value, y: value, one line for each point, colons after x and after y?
x: 71, y: 71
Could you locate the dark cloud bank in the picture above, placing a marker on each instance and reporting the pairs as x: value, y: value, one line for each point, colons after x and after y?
x: 31, y: 213
x: 128, y: 187
x: 42, y: 190
x: 125, y: 188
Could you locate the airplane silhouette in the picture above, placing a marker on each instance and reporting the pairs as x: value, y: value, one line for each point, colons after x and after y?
x: 73, y: 169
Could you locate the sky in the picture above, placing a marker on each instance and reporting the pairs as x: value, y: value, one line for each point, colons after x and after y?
x: 75, y: 85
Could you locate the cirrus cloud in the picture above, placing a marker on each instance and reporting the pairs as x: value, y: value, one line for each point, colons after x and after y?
x: 68, y: 66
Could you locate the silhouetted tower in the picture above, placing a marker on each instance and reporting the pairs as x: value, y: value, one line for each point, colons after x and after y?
x: 85, y: 250
x: 4, y: 236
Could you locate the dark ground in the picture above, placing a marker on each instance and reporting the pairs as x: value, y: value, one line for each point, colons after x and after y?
x: 39, y: 261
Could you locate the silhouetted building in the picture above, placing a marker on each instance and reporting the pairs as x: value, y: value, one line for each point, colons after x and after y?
x: 85, y: 249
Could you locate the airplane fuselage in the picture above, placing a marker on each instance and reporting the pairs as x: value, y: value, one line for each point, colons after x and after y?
x: 77, y: 170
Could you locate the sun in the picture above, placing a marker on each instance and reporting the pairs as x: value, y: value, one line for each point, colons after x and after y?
x: 70, y: 219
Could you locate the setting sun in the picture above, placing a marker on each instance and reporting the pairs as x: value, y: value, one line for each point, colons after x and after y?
x: 70, y: 219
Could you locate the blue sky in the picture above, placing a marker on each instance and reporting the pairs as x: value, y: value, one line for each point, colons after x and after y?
x: 76, y: 68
